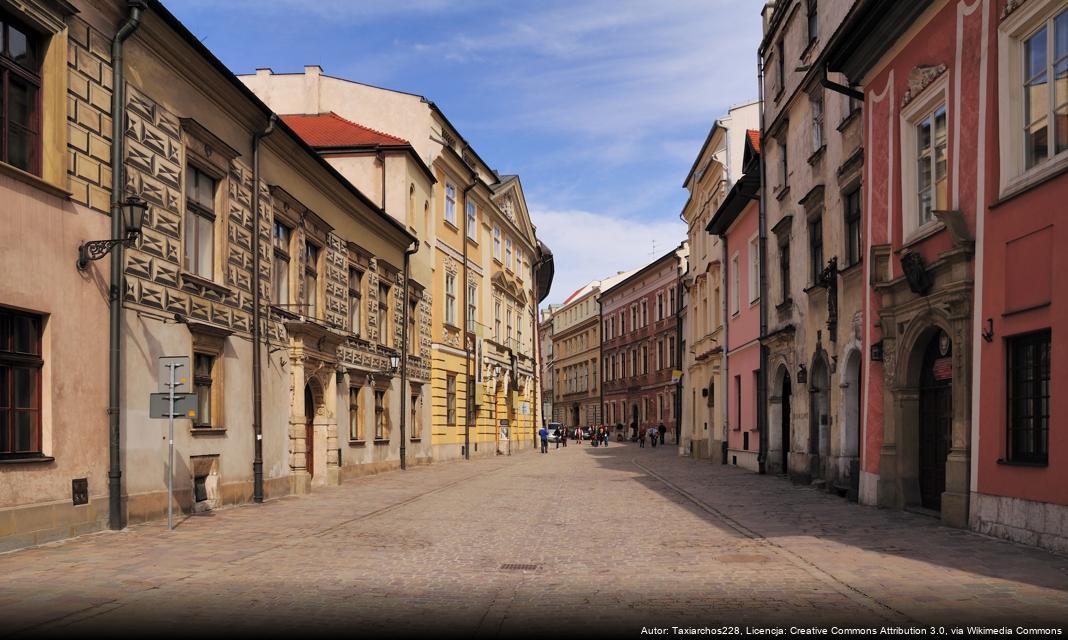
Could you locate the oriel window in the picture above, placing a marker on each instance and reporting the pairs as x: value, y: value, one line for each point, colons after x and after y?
x: 21, y: 78
x: 20, y: 384
x: 199, y: 222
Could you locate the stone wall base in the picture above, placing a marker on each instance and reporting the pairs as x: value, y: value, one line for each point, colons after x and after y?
x: 869, y: 488
x: 743, y: 459
x: 1041, y: 524
x: 35, y: 524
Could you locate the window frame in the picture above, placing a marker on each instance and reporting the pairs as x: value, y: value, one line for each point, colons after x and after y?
x: 383, y: 426
x: 497, y: 243
x: 356, y: 425
x: 1040, y: 435
x: 450, y: 399
x: 471, y: 217
x: 450, y: 299
x: 34, y: 362
x: 281, y: 254
x: 198, y: 213
x: 753, y: 269
x: 309, y: 303
x: 853, y: 235
x: 450, y: 204
x: 735, y: 284
x: 934, y: 97
x: 1016, y: 28
x: 815, y: 242
x: 356, y: 300
x: 32, y: 76
x: 385, y: 312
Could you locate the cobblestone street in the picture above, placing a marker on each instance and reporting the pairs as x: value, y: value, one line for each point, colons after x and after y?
x: 613, y: 539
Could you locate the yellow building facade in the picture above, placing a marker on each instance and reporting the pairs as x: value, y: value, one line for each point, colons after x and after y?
x: 477, y: 246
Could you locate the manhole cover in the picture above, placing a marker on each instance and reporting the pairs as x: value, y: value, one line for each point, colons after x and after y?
x: 518, y: 567
x: 743, y: 558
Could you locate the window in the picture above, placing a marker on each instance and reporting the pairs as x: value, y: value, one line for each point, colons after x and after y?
x: 816, y: 106
x: 784, y: 165
x: 472, y: 221
x: 754, y: 270
x: 472, y: 307
x: 645, y: 313
x: 413, y: 326
x: 508, y: 323
x: 450, y: 399
x: 199, y: 223
x: 20, y: 384
x: 660, y: 306
x: 622, y: 322
x: 508, y: 253
x: 450, y: 204
x: 813, y: 21
x: 659, y: 354
x: 382, y: 426
x: 633, y: 317
x: 784, y: 269
x: 21, y: 79
x: 311, y: 279
x: 355, y: 417
x: 280, y: 263
x: 497, y: 323
x: 355, y: 301
x: 203, y: 366
x: 634, y: 362
x: 1045, y: 62
x: 645, y: 359
x: 497, y: 242
x: 414, y: 428
x: 931, y: 164
x: 736, y: 284
x: 519, y: 328
x: 852, y: 227
x: 450, y: 299
x: 780, y: 67
x: 671, y: 301
x: 1029, y: 394
x: 815, y: 248
x: 385, y: 327
x: 671, y: 351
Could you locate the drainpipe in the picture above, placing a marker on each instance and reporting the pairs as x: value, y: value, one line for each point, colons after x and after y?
x: 762, y: 278
x: 257, y: 362
x: 133, y: 20
x: 678, y: 354
x: 404, y: 351
x: 726, y: 348
x: 381, y: 157
x: 469, y: 391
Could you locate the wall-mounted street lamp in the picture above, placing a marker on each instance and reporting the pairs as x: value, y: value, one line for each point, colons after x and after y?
x: 394, y: 363
x: 133, y: 211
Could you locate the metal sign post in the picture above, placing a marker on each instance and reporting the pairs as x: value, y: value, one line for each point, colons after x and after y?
x: 175, y: 402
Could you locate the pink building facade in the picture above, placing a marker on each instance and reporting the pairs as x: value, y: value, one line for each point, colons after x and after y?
x: 965, y: 155
x: 735, y: 223
x: 640, y: 347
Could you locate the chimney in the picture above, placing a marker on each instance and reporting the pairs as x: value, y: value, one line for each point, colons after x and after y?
x: 312, y: 72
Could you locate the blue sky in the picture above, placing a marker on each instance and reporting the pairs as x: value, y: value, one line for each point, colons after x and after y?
x: 600, y: 105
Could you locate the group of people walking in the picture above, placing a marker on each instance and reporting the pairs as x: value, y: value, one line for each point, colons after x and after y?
x: 598, y: 436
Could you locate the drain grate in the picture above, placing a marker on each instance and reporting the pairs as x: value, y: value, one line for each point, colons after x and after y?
x: 518, y: 567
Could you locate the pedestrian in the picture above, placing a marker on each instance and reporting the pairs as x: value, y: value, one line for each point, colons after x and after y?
x: 663, y: 432
x: 544, y: 434
x: 563, y: 435
x: 556, y: 434
x: 604, y: 435
x: 653, y: 433
x: 641, y: 439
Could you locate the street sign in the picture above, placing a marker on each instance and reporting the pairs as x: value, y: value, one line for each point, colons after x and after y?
x: 181, y: 374
x: 185, y: 405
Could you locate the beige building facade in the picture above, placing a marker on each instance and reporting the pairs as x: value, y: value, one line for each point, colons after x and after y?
x: 576, y: 341
x: 717, y: 166
x: 813, y: 158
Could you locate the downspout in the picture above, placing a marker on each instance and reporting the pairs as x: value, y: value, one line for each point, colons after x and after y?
x: 413, y: 248
x: 118, y: 120
x: 762, y: 278
x: 381, y: 157
x: 726, y: 385
x: 469, y: 391
x: 257, y: 361
x: 678, y: 355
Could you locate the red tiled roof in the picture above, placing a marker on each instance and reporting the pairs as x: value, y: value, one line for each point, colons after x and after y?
x: 331, y: 130
x: 754, y: 139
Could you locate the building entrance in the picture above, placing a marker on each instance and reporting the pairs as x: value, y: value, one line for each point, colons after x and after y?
x: 936, y: 419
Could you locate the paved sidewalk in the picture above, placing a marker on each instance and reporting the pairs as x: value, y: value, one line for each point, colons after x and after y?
x: 619, y: 538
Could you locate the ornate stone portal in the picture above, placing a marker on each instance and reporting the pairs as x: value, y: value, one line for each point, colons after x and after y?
x: 909, y: 323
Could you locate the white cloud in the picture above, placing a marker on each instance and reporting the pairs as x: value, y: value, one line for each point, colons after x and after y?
x: 588, y: 246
